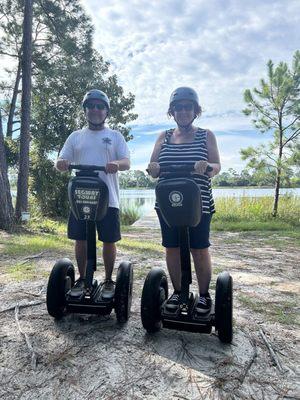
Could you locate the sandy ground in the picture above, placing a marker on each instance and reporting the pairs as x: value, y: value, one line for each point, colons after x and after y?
x: 92, y: 357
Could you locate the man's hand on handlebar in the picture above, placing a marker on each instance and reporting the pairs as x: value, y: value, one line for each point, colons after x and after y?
x: 112, y: 167
x: 62, y: 165
x: 153, y: 169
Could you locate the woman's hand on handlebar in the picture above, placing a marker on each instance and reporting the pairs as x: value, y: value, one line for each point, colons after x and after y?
x: 200, y: 167
x: 153, y: 169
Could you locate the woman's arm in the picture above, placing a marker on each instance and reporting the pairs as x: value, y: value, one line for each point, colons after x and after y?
x: 153, y: 166
x: 213, y: 154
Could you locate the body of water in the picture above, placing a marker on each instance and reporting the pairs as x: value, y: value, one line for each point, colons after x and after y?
x: 144, y: 199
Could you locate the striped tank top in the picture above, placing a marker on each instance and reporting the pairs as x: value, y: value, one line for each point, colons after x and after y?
x: 189, y: 153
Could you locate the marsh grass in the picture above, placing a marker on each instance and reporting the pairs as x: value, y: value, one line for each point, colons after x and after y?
x: 129, y: 215
x: 255, y: 213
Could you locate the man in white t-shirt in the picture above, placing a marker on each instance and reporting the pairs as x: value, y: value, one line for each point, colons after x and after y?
x: 97, y: 145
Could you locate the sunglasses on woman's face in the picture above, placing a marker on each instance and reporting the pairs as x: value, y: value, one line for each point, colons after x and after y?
x: 99, y: 106
x: 186, y: 107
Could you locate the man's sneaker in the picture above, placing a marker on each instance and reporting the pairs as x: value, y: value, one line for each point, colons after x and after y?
x: 79, y: 288
x: 204, y: 304
x: 108, y: 289
x: 173, y: 302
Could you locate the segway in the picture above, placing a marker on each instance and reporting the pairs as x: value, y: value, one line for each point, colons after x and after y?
x: 179, y: 200
x: 88, y: 197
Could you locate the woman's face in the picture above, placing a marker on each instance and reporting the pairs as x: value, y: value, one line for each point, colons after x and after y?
x: 183, y: 112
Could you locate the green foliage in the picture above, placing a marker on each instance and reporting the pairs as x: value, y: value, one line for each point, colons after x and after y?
x: 48, y: 187
x: 12, y: 151
x: 262, y: 176
x: 128, y: 215
x: 136, y: 179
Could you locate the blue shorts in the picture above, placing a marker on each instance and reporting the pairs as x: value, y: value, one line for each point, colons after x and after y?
x: 108, y: 228
x: 199, y: 235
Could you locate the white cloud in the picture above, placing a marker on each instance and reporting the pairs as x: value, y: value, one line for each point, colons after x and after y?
x: 219, y: 48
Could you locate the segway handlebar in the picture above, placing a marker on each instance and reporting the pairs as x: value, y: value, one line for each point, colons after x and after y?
x: 85, y: 167
x: 181, y: 169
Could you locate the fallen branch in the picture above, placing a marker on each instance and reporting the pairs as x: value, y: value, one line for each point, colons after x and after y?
x: 242, y: 377
x: 31, y: 257
x: 30, y: 304
x: 271, y: 351
x: 29, y: 345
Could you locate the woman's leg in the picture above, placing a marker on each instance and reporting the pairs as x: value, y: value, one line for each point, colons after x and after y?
x: 202, y: 262
x: 174, y: 267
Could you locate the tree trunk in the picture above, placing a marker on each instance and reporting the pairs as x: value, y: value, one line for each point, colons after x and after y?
x: 6, y: 207
x: 12, y: 107
x: 22, y: 193
x: 278, y: 175
x: 276, y: 195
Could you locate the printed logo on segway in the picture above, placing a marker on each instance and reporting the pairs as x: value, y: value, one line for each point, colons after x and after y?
x: 176, y: 198
x: 89, y: 196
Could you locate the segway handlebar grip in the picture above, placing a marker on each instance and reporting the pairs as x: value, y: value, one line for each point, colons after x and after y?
x: 85, y: 167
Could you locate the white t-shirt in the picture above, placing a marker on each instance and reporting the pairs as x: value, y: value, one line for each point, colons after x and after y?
x: 97, y: 148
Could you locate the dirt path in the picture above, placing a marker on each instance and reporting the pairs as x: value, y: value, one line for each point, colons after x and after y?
x: 88, y: 357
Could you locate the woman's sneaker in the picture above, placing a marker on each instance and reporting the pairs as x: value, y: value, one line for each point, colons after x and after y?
x: 204, y: 304
x: 173, y: 302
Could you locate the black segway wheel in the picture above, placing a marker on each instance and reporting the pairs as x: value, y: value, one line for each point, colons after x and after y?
x: 60, y: 282
x: 123, y: 292
x: 155, y: 292
x: 223, y: 307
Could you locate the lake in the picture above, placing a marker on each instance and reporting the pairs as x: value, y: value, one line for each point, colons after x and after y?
x: 144, y: 198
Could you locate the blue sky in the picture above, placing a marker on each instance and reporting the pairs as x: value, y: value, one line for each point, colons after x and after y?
x: 219, y: 47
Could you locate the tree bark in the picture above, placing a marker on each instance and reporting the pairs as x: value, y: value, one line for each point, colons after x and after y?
x: 6, y: 207
x: 22, y: 193
x: 12, y: 107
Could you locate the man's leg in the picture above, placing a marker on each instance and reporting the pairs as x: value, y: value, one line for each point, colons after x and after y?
x: 80, y: 253
x: 109, y: 253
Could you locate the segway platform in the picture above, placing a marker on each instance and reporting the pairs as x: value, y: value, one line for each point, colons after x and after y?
x: 189, y: 319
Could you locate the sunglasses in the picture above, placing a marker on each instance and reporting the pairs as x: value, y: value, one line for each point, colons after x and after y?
x: 186, y: 107
x: 91, y: 106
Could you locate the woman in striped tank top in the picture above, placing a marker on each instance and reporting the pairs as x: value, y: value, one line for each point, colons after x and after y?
x: 187, y: 144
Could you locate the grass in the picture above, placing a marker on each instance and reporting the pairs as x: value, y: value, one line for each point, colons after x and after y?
x: 284, y: 313
x: 152, y: 249
x: 25, y: 244
x: 25, y: 272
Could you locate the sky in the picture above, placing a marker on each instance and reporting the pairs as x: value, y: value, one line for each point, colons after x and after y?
x: 218, y: 47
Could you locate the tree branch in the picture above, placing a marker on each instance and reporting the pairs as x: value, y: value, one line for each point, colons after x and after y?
x: 292, y: 123
x: 294, y: 135
x: 27, y: 340
x: 260, y: 109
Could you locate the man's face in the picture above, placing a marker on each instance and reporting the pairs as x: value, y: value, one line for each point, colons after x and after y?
x: 95, y: 111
